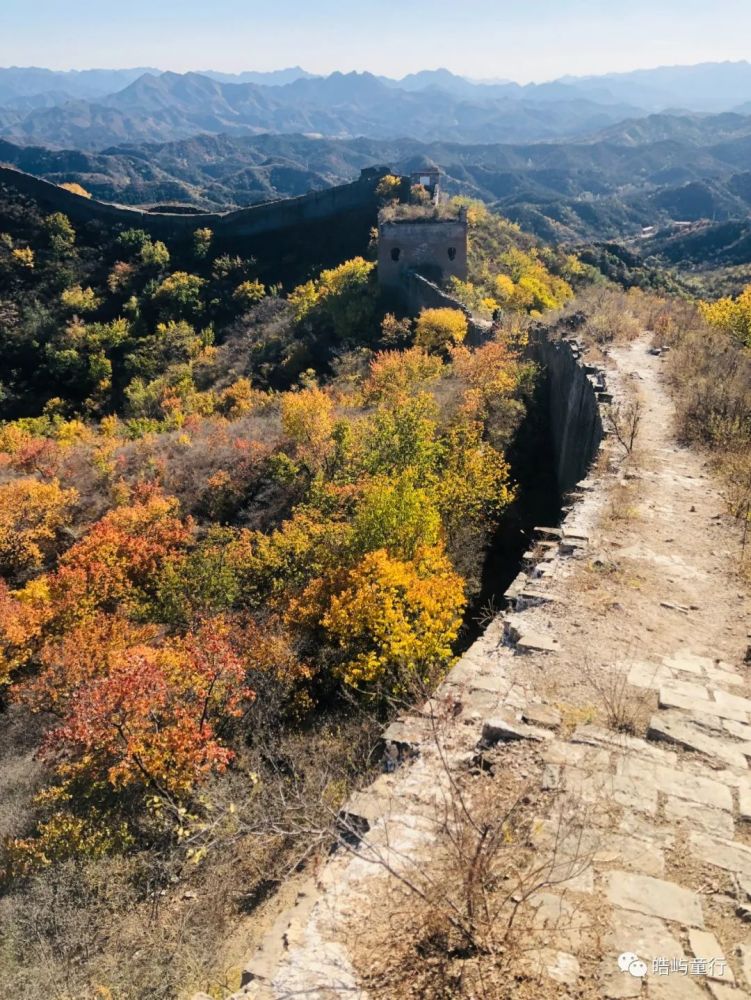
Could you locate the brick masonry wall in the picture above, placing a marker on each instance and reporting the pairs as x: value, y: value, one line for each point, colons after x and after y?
x: 436, y: 246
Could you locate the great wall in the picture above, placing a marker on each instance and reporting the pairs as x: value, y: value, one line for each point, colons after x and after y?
x: 646, y: 841
x: 632, y: 599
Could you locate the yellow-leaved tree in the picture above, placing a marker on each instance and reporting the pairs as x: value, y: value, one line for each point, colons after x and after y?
x: 76, y: 189
x: 731, y: 315
x: 394, y: 620
x: 32, y: 515
x: 308, y: 419
x: 439, y: 329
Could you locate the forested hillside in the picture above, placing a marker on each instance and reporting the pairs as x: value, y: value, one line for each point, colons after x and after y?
x: 239, y: 525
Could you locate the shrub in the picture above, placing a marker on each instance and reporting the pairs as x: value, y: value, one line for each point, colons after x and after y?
x: 438, y: 329
x: 32, y: 516
x: 394, y: 621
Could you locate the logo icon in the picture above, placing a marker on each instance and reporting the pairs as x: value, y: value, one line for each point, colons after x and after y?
x: 631, y: 963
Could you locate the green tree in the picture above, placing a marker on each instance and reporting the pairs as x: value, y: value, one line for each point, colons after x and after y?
x: 178, y: 296
x: 60, y: 232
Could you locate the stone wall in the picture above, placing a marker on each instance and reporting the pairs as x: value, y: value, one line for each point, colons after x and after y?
x: 435, y: 246
x: 575, y: 390
x: 254, y: 221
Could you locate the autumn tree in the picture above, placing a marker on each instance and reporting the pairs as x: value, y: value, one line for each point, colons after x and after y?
x: 80, y: 300
x: 308, y: 420
x: 60, y: 233
x: 733, y: 316
x: 202, y: 239
x: 343, y: 296
x: 75, y: 188
x: 397, y: 515
x: 388, y: 188
x: 178, y: 296
x: 32, y: 516
x: 395, y: 372
x: 152, y: 721
x: 248, y: 293
x: 394, y: 621
x: 119, y: 561
x: 438, y: 329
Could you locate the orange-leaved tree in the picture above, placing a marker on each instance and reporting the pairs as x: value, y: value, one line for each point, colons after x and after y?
x: 121, y: 557
x: 153, y: 720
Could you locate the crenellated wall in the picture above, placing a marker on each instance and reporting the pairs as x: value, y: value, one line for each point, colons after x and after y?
x: 254, y: 221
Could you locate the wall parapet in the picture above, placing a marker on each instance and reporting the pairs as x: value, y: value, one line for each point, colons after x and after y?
x: 252, y: 221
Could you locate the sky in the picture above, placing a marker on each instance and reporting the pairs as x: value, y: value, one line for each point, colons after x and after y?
x: 522, y: 40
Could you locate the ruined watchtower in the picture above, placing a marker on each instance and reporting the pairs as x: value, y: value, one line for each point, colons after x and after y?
x: 427, y: 237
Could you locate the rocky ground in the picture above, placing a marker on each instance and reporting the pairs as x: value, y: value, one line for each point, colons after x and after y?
x: 608, y: 712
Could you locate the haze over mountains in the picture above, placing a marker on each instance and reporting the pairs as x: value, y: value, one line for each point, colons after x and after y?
x: 94, y: 109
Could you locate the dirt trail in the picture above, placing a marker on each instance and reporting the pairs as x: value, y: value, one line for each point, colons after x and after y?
x: 635, y: 619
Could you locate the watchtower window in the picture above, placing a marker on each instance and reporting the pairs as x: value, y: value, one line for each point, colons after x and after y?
x: 396, y: 253
x: 452, y: 253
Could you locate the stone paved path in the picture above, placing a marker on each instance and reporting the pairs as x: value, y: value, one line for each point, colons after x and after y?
x: 635, y: 604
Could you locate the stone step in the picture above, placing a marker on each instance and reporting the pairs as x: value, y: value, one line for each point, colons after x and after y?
x: 677, y: 728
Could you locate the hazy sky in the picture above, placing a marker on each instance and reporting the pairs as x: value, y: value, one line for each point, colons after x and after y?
x: 521, y: 40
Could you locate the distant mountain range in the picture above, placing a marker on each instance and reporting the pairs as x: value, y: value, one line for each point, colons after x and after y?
x: 94, y: 109
x: 645, y: 172
x: 168, y: 106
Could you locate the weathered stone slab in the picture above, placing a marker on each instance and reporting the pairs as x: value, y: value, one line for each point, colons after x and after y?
x: 649, y: 675
x: 478, y: 703
x: 561, y: 967
x: 740, y: 730
x: 496, y: 683
x: 734, y: 701
x: 408, y: 733
x: 721, y: 991
x: 683, y: 784
x: 516, y: 587
x: 674, y: 987
x: 687, y: 662
x: 586, y: 756
x: 646, y: 937
x: 744, y: 954
x: 597, y: 736
x: 687, y: 689
x: 669, y: 698
x: 725, y: 678
x: 562, y: 920
x: 674, y: 727
x: 714, y: 821
x: 726, y: 854
x: 642, y: 856
x: 705, y: 945
x: 536, y: 642
x: 542, y: 715
x: 609, y: 788
x: 654, y: 898
x: 504, y: 731
x: 548, y: 532
x: 533, y: 597
x: 744, y: 803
